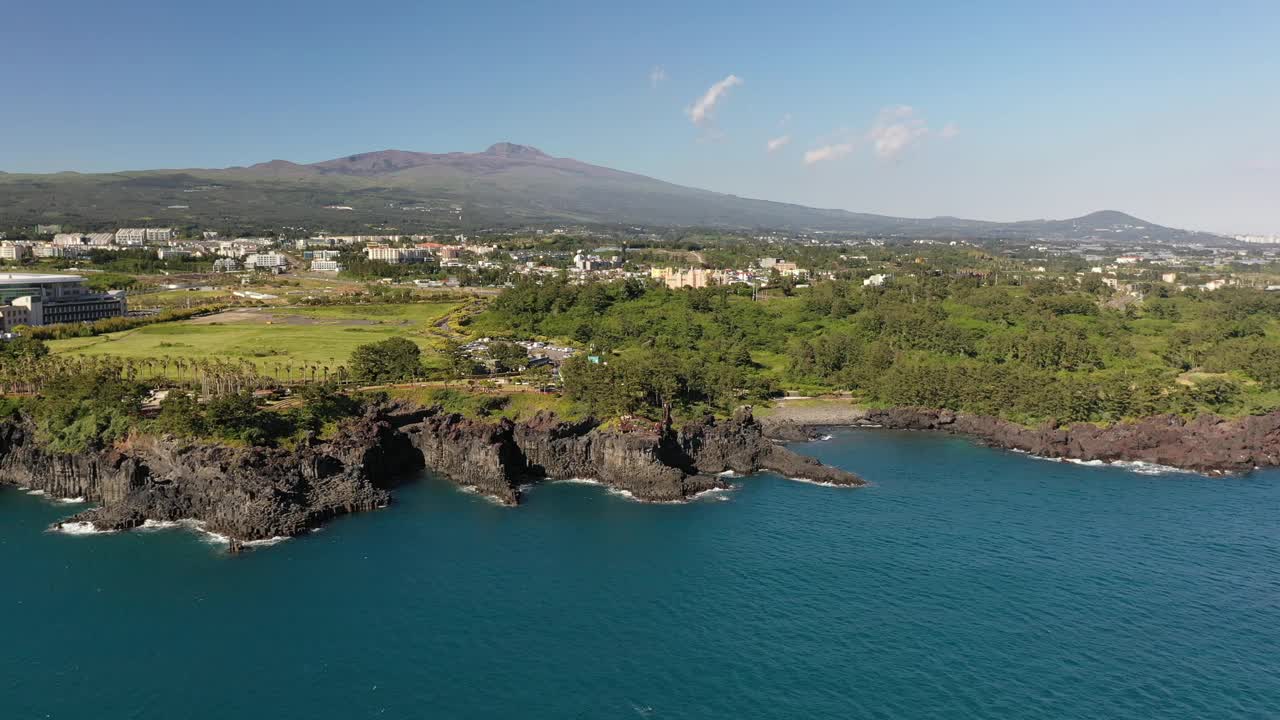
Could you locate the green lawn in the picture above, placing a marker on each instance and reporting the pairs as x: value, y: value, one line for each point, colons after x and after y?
x: 516, y: 406
x: 323, y: 335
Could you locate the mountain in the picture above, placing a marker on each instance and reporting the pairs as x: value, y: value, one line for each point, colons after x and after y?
x: 507, y: 185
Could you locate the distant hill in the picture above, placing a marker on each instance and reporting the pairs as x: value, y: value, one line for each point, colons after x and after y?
x: 507, y: 185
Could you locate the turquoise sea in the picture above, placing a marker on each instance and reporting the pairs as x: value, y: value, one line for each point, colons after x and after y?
x: 966, y: 583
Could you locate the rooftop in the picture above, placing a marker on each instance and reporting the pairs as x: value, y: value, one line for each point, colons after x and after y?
x: 26, y: 278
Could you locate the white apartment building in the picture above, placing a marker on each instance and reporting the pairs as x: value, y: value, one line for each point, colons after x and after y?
x: 326, y: 266
x: 143, y: 236
x: 49, y: 250
x: 396, y: 256
x: 241, y: 246
x: 83, y: 239
x: 269, y: 261
x: 14, y: 252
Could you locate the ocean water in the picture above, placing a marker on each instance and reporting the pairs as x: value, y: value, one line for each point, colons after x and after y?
x: 966, y: 583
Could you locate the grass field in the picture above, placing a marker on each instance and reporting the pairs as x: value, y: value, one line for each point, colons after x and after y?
x: 514, y: 405
x: 273, y: 337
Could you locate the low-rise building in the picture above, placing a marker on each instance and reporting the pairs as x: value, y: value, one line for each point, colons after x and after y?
x: 38, y: 299
x: 143, y: 236
x: 265, y: 261
x: 49, y: 250
x: 396, y: 256
x: 683, y: 278
x: 326, y: 266
x: 83, y: 240
x: 14, y: 252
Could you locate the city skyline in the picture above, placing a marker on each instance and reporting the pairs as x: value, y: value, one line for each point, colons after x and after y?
x: 997, y: 112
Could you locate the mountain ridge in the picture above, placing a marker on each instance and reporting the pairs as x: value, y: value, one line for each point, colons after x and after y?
x: 507, y: 184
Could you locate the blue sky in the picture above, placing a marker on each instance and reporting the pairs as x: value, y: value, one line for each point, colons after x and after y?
x: 996, y: 110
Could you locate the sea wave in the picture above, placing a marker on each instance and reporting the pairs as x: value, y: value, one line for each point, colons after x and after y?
x: 80, y: 528
x: 709, y: 493
x: 715, y: 494
x: 820, y: 483
x: 204, y: 533
x: 1140, y: 467
x: 473, y: 490
x: 71, y: 500
x: 274, y: 540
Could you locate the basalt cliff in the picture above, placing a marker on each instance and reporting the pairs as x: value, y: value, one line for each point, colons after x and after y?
x: 1207, y: 444
x: 257, y: 493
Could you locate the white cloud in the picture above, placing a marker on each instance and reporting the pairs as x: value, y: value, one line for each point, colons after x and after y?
x: 657, y: 75
x: 949, y: 131
x: 700, y: 111
x: 827, y: 152
x: 778, y: 143
x: 896, y: 129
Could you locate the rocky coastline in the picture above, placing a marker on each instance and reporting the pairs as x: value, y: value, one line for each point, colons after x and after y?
x: 1207, y: 444
x: 258, y: 493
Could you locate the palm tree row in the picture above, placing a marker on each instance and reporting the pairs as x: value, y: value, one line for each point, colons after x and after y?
x: 210, y: 376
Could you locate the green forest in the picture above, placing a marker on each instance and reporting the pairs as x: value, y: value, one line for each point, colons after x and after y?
x: 1044, y: 350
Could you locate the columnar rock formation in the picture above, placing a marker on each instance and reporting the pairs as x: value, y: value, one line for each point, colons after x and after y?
x: 257, y: 493
x: 1207, y: 444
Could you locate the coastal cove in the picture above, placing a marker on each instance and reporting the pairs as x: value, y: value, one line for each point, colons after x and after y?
x: 963, y: 580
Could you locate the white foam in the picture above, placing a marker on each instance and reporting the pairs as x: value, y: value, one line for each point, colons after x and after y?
x: 1134, y: 466
x: 473, y: 490
x: 274, y: 540
x: 162, y: 524
x: 717, y: 494
x: 36, y: 492
x: 729, y: 474
x: 820, y: 483
x: 578, y: 481
x: 1146, y: 468
x: 212, y: 537
x: 196, y: 526
x: 81, y: 528
x: 71, y: 500
x: 204, y: 533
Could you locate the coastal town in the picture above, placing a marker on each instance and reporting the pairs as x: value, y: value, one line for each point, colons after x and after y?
x: 206, y: 259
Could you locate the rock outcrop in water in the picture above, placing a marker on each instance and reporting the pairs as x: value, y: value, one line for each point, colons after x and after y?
x: 248, y: 493
x: 256, y: 493
x: 1207, y: 444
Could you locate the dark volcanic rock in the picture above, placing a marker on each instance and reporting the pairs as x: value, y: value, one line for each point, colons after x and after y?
x: 740, y: 445
x: 257, y: 493
x: 472, y: 453
x: 244, y: 493
x: 1205, y: 444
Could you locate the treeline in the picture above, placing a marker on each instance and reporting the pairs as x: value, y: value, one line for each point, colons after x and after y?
x: 1028, y: 350
x: 78, y: 411
x: 116, y: 324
